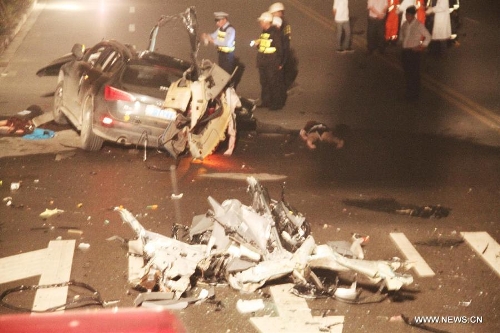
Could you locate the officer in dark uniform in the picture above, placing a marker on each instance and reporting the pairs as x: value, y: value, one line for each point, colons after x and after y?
x: 224, y: 39
x: 290, y: 63
x: 270, y: 64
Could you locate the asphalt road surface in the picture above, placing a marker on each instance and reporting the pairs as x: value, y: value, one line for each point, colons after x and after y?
x: 440, y: 151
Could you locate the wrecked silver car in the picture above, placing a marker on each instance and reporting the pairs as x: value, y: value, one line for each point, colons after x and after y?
x: 112, y: 92
x: 247, y: 246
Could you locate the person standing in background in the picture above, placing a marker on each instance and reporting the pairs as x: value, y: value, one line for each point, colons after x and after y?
x: 290, y: 63
x: 375, y: 35
x: 392, y: 21
x: 341, y: 17
x: 441, y: 29
x: 270, y: 64
x: 414, y: 39
x: 224, y: 39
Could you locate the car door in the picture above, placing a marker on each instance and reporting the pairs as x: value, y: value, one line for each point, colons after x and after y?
x: 76, y: 80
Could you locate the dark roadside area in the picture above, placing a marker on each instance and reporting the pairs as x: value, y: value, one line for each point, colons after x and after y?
x: 13, y: 14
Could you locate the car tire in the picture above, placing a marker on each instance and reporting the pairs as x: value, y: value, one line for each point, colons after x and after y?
x: 89, y: 140
x: 59, y: 117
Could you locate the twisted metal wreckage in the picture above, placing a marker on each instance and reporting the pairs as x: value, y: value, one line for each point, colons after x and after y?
x: 204, y: 100
x: 247, y: 246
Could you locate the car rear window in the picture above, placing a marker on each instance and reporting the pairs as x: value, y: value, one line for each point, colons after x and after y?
x: 149, y: 76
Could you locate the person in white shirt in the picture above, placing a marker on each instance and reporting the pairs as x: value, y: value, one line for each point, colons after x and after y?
x: 341, y: 16
x: 375, y: 32
x: 414, y: 39
x: 441, y: 29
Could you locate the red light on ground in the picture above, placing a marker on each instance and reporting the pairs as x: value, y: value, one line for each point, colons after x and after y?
x: 114, y: 94
x: 219, y: 162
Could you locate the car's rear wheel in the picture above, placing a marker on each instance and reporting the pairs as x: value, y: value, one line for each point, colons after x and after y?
x: 59, y: 116
x: 89, y: 140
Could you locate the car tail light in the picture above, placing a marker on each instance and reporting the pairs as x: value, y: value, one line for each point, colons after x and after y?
x: 114, y: 94
x: 107, y: 121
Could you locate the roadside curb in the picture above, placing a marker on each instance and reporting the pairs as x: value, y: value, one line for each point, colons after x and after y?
x: 5, y: 40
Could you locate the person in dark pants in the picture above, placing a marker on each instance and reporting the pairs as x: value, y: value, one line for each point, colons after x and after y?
x: 290, y: 62
x: 224, y: 39
x: 375, y: 34
x: 270, y: 64
x: 414, y: 39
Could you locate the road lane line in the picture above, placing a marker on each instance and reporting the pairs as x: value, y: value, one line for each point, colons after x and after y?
x: 485, y: 246
x: 243, y: 176
x: 56, y: 269
x: 418, y: 263
x: 22, y: 266
x: 295, y: 315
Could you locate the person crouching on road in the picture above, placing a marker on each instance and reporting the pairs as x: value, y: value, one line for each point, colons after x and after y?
x: 315, y: 132
x: 224, y: 39
x: 414, y: 38
x: 270, y: 64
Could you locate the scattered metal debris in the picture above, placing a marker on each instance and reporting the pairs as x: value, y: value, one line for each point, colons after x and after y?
x: 247, y: 246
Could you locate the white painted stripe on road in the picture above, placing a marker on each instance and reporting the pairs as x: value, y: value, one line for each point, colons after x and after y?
x: 135, y: 263
x: 243, y: 176
x: 485, y: 246
x: 412, y: 255
x: 131, y: 27
x: 22, y: 266
x: 131, y: 10
x: 56, y: 269
x: 295, y: 316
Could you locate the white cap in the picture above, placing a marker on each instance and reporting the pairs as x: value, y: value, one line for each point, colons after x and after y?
x: 220, y: 15
x: 266, y: 17
x: 276, y: 7
x: 277, y: 21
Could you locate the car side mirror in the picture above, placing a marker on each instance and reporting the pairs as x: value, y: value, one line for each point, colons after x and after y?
x: 78, y: 50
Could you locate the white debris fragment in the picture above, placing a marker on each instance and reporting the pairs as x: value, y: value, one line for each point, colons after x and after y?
x: 249, y: 306
x: 84, y: 246
x: 50, y: 212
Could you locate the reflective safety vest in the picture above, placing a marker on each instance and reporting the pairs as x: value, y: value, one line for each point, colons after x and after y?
x: 265, y: 43
x: 221, y: 36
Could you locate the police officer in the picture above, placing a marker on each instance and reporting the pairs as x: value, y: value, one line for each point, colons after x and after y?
x: 290, y: 70
x: 224, y: 39
x: 270, y: 64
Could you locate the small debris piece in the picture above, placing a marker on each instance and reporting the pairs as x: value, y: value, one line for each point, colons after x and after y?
x: 248, y: 306
x: 50, y: 212
x: 84, y: 246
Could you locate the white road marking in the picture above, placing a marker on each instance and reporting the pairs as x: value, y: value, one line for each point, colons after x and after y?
x: 295, y: 316
x: 243, y: 176
x: 131, y: 27
x: 22, y: 266
x: 485, y: 246
x: 412, y: 255
x: 131, y: 10
x: 56, y: 269
x: 53, y: 264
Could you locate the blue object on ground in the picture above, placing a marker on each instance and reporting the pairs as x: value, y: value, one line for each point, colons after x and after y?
x: 40, y: 134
